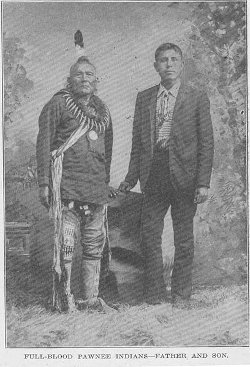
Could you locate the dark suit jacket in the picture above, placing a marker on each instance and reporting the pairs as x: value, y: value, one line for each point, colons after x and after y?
x: 191, y: 140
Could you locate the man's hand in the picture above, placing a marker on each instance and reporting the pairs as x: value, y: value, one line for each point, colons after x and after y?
x: 201, y: 195
x: 44, y: 196
x: 124, y: 187
x: 113, y: 192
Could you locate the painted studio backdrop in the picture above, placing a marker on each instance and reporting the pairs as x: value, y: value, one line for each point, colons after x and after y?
x: 120, y: 39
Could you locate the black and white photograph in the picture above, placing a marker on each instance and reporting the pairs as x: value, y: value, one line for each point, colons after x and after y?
x: 125, y: 182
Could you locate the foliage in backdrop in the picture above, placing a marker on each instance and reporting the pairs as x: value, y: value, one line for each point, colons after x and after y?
x: 19, y: 153
x: 217, y: 61
x: 16, y: 83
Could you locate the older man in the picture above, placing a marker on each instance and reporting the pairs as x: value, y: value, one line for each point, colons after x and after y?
x: 74, y: 148
x: 172, y: 154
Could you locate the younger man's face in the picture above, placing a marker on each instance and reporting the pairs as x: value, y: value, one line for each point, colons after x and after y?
x: 83, y: 79
x: 169, y: 65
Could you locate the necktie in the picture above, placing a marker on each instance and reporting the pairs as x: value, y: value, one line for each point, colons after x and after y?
x: 164, y: 107
x: 164, y: 122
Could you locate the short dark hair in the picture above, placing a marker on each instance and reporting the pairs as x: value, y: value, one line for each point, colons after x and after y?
x: 81, y: 60
x: 167, y: 46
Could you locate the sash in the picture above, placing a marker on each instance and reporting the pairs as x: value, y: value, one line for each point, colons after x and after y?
x: 88, y: 119
x: 56, y: 205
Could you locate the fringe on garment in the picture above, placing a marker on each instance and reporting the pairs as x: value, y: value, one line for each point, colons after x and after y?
x: 56, y: 204
x: 56, y: 215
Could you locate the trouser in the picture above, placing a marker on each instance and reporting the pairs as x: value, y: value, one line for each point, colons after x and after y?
x: 92, y: 231
x: 159, y: 195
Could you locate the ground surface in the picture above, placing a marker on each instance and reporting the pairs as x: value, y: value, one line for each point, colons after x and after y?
x: 219, y: 317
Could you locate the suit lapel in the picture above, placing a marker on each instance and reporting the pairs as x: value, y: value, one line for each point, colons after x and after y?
x: 152, y: 110
x: 183, y: 91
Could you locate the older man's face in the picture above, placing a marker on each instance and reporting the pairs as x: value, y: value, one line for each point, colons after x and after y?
x: 83, y: 79
x: 169, y: 65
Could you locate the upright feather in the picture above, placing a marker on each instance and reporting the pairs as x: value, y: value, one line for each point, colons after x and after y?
x: 79, y: 44
x: 79, y: 39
